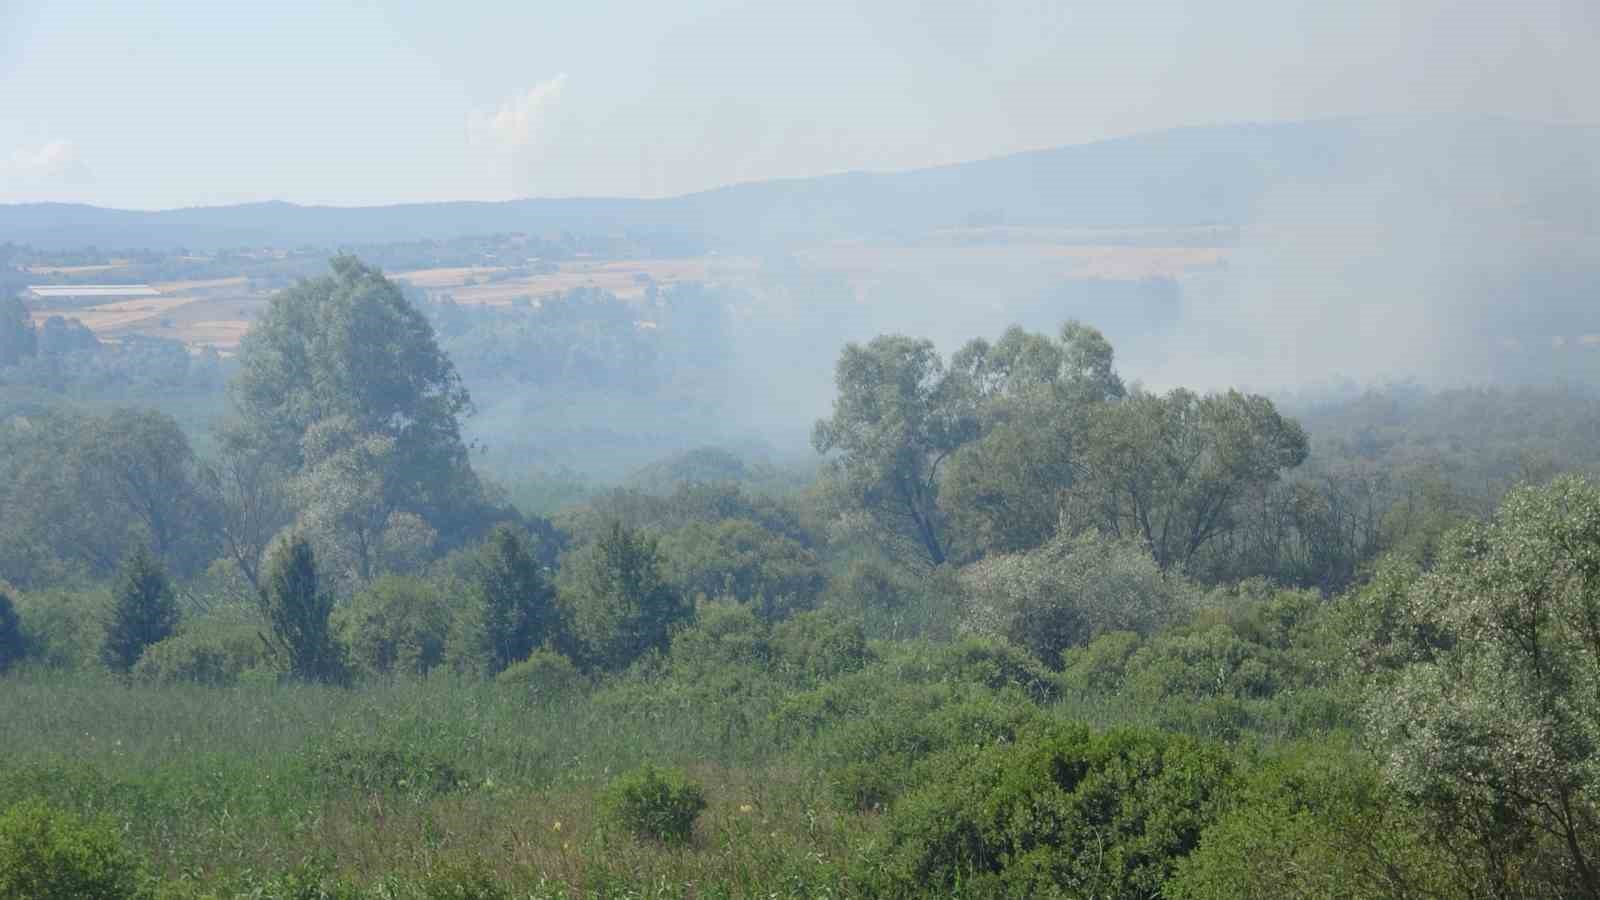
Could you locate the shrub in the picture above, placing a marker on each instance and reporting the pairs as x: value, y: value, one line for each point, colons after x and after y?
x: 1071, y: 590
x: 63, y: 627
x: 46, y: 854
x: 397, y: 625
x: 543, y: 675
x: 661, y: 804
x: 214, y: 650
x: 1059, y: 812
x: 820, y: 645
x: 469, y: 879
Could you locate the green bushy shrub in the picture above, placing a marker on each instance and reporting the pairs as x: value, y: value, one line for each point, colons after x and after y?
x: 660, y: 804
x: 1318, y: 822
x: 545, y: 674
x: 1058, y: 812
x: 63, y: 628
x: 214, y: 650
x: 816, y: 646
x: 46, y: 854
x: 397, y: 625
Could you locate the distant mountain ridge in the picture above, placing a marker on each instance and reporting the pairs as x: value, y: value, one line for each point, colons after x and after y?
x: 1212, y: 175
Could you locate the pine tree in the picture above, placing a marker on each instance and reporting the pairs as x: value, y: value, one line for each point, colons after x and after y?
x: 12, y: 644
x: 142, y: 611
x: 299, y: 610
x: 517, y: 603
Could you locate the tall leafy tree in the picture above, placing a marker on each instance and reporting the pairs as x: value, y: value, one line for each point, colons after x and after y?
x: 1169, y: 470
x: 143, y: 611
x: 1002, y: 416
x: 896, y: 418
x: 618, y: 601
x: 298, y: 610
x: 138, y: 465
x: 350, y: 346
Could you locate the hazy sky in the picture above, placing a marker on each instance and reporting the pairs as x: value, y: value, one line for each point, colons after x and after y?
x: 161, y: 104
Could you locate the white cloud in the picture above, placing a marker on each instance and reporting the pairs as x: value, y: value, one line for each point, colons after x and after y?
x: 52, y: 170
x: 52, y: 159
x: 516, y: 123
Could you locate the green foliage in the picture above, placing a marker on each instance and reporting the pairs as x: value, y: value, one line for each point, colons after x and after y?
x: 740, y: 560
x: 47, y: 854
x: 1317, y: 823
x: 374, y: 768
x: 1071, y: 590
x: 1492, y: 722
x: 819, y: 645
x: 544, y: 675
x: 142, y: 611
x: 63, y: 629
x: 18, y: 339
x: 1057, y: 812
x: 298, y: 611
x: 513, y: 605
x: 618, y: 601
x: 350, y: 346
x: 397, y: 625
x: 896, y: 418
x: 13, y: 644
x: 660, y: 804
x: 1170, y: 471
x: 214, y: 649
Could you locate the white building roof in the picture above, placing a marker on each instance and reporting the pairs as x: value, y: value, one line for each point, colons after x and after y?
x: 80, y: 291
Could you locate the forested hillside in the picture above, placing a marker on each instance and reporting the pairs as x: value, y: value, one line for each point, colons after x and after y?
x: 1023, y: 626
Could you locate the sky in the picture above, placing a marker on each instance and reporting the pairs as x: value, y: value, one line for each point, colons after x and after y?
x: 170, y: 103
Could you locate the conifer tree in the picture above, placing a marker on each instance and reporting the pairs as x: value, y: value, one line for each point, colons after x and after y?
x: 298, y: 610
x: 142, y: 611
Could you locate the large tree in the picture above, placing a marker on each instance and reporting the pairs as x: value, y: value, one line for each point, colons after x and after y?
x: 1169, y: 470
x: 896, y: 419
x: 349, y: 346
x: 1002, y: 414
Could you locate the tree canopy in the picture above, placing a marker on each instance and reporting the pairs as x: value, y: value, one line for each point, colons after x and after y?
x: 349, y: 346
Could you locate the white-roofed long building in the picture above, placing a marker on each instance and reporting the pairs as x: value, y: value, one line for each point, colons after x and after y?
x: 84, y: 293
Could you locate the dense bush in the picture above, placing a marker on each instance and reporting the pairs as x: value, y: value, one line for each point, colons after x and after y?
x: 544, y: 675
x: 1317, y: 823
x: 661, y: 804
x: 1060, y: 811
x: 397, y: 625
x: 46, y: 854
x: 215, y: 649
x: 1070, y: 590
